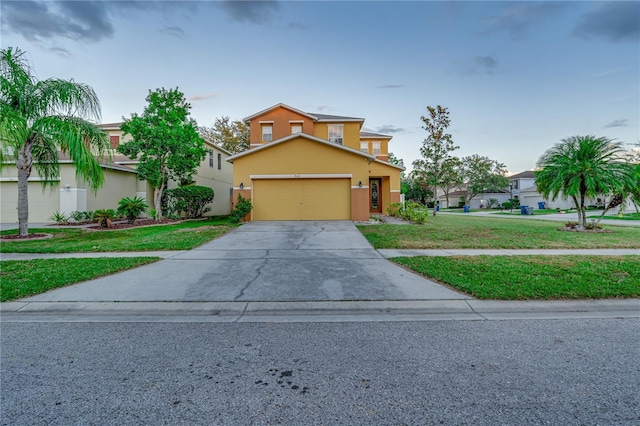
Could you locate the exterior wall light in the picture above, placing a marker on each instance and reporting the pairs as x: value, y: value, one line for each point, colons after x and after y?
x: 241, y: 185
x: 360, y: 184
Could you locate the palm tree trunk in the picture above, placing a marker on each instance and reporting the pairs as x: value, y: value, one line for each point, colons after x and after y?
x: 24, y: 161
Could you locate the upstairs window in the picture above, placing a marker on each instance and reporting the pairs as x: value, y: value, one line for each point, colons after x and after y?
x: 296, y: 128
x: 335, y: 133
x: 376, y: 148
x: 267, y: 133
x: 364, y: 147
x: 219, y: 161
x: 211, y: 158
x: 114, y: 141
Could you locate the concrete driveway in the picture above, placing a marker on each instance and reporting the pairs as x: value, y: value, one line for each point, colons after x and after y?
x: 266, y: 261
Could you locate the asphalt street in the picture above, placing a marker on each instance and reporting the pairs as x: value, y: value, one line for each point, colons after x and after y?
x: 522, y: 372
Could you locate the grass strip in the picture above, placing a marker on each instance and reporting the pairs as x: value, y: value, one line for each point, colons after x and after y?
x: 533, y: 277
x: 23, y: 278
x: 181, y: 236
x: 460, y: 232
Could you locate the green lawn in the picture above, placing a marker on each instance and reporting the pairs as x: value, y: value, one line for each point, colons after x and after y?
x: 460, y: 232
x: 533, y: 277
x: 23, y: 278
x: 181, y: 236
x: 626, y: 216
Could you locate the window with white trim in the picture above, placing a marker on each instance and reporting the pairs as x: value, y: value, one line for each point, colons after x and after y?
x: 375, y: 148
x: 364, y: 147
x: 267, y: 133
x: 336, y: 132
x: 211, y: 158
x: 219, y: 161
x: 296, y: 128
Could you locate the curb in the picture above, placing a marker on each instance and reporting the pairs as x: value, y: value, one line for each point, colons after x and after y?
x: 313, y: 311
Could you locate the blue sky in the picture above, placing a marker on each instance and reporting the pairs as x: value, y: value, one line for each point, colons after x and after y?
x: 517, y: 77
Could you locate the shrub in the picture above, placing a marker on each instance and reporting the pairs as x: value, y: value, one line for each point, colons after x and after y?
x: 242, y: 208
x: 394, y: 209
x: 189, y: 200
x: 77, y: 216
x: 506, y: 205
x: 104, y: 217
x: 131, y: 208
x: 409, y: 209
x: 59, y: 217
x: 419, y: 216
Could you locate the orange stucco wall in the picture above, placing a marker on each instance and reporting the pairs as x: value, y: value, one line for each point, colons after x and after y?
x: 360, y: 204
x: 281, y: 118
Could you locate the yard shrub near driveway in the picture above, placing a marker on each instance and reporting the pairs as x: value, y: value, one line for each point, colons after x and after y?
x: 533, y: 277
x: 460, y: 232
x: 23, y: 278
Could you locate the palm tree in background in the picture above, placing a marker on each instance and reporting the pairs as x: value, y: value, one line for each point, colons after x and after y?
x: 584, y: 167
x: 38, y: 118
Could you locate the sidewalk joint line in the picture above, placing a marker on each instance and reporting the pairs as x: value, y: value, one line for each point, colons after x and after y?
x: 474, y: 311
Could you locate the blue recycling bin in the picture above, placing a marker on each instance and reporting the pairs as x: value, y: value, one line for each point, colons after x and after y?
x: 465, y: 209
x: 541, y: 205
x: 523, y: 209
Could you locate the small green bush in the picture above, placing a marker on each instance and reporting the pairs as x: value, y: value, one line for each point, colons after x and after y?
x: 59, y: 218
x: 242, y: 208
x: 419, y: 216
x: 189, y: 200
x: 104, y: 217
x: 131, y: 208
x: 394, y: 209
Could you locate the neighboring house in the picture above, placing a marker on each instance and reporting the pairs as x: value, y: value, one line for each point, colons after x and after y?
x: 213, y: 171
x: 70, y: 194
x: 308, y: 166
x: 121, y: 180
x: 480, y: 201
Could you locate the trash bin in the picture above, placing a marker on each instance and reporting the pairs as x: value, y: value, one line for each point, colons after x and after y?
x: 465, y: 209
x: 523, y: 209
x: 530, y: 211
x: 541, y: 204
x: 437, y: 207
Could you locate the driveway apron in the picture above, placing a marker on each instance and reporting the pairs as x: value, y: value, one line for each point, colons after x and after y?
x: 266, y: 261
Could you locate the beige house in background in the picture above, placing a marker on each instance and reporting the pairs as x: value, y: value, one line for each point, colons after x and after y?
x: 121, y: 180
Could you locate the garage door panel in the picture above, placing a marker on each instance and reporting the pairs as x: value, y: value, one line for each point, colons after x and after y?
x: 302, y: 199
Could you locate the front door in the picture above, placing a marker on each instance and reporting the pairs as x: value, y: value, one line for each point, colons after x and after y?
x: 375, y: 200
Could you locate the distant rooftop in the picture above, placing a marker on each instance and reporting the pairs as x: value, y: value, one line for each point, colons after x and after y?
x: 529, y: 174
x: 373, y: 135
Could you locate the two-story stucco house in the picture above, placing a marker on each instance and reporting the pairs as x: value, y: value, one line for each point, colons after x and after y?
x: 308, y: 166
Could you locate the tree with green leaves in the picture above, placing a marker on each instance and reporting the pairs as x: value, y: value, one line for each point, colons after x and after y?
x: 482, y: 174
x: 582, y: 167
x: 232, y: 136
x: 435, y: 150
x: 38, y: 118
x: 165, y: 142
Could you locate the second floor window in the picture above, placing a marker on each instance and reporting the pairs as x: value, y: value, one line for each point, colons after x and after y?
x: 219, y: 161
x: 376, y: 148
x: 114, y: 141
x: 335, y: 133
x: 296, y: 128
x: 211, y: 158
x: 267, y: 133
x: 364, y: 147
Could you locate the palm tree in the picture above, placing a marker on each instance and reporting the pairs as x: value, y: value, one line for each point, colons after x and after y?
x: 38, y: 118
x: 581, y: 167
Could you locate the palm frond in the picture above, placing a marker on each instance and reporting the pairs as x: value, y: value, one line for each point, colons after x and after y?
x: 66, y: 98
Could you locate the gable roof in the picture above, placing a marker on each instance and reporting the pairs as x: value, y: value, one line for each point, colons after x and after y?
x: 331, y: 118
x: 386, y: 163
x: 374, y: 135
x: 370, y: 157
x: 276, y: 106
x: 529, y: 174
x: 310, y: 115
